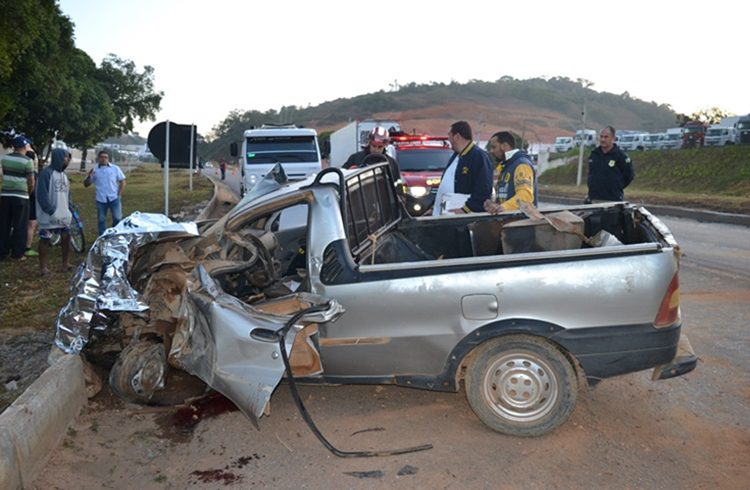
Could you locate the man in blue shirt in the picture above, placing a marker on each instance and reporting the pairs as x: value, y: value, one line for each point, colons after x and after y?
x: 110, y: 184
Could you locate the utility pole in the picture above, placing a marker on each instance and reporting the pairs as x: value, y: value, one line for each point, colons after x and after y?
x: 585, y: 84
x: 580, y: 148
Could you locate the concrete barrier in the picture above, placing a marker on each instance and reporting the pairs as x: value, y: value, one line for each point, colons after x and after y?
x: 34, y: 425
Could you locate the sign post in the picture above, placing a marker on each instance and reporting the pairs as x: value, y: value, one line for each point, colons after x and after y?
x: 175, y: 146
x: 166, y: 172
x: 192, y: 152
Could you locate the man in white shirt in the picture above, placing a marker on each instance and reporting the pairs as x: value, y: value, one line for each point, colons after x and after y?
x: 110, y: 185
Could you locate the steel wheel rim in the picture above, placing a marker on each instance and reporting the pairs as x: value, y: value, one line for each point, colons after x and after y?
x: 521, y: 387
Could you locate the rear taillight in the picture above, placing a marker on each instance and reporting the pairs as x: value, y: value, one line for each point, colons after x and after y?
x: 669, y: 311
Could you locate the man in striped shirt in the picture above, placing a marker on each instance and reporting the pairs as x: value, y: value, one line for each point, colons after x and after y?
x: 18, y: 182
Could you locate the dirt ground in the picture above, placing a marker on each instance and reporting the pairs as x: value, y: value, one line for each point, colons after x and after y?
x: 626, y: 433
x: 24, y: 357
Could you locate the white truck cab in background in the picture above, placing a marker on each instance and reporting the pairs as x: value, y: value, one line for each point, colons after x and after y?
x: 632, y: 141
x: 589, y: 137
x: 718, y: 135
x: 651, y: 141
x: 671, y: 140
x: 295, y: 148
x: 563, y: 143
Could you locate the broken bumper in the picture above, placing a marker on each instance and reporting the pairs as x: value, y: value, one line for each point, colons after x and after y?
x: 684, y: 361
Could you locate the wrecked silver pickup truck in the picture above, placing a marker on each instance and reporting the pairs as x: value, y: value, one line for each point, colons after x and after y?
x: 520, y: 311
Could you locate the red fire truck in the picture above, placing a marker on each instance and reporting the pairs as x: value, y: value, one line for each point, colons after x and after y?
x: 422, y: 160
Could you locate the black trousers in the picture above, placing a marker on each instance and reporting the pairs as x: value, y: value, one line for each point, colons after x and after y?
x: 14, y: 219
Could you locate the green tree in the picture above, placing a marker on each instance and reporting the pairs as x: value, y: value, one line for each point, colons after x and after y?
x: 91, y: 118
x: 131, y: 93
x: 21, y: 26
x: 49, y: 88
x: 39, y: 86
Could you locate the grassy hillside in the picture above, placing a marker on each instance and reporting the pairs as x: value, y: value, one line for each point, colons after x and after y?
x: 537, y: 108
x: 714, y: 178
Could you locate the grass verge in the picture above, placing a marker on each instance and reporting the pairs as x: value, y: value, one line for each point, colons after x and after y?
x: 716, y: 179
x: 29, y: 301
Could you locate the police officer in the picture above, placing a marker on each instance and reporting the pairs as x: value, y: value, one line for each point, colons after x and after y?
x: 610, y: 169
x: 517, y: 180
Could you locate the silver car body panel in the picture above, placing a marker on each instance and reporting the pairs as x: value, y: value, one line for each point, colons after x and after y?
x: 396, y: 338
x: 218, y: 345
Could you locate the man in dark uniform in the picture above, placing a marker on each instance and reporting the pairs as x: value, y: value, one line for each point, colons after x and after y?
x: 374, y: 153
x: 610, y: 170
x: 517, y: 180
x: 468, y: 175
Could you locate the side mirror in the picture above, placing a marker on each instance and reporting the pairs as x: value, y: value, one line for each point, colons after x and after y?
x: 233, y: 149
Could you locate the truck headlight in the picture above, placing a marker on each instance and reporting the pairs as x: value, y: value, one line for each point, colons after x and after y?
x: 418, y: 191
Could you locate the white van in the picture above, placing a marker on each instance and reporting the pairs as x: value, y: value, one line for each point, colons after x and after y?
x: 296, y: 149
x: 671, y: 140
x: 563, y: 143
x: 651, y: 141
x: 632, y: 141
x: 589, y: 137
x: 718, y: 135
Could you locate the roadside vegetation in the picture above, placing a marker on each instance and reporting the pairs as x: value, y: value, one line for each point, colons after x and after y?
x: 706, y: 178
x: 29, y: 301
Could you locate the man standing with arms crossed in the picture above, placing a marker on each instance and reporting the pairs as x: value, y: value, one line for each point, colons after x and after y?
x: 110, y: 184
x: 18, y: 182
x: 610, y: 170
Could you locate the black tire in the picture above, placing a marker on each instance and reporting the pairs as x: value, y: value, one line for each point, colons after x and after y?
x: 547, y: 381
x: 140, y: 371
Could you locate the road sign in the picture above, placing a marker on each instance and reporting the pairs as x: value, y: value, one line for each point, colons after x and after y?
x: 179, y: 143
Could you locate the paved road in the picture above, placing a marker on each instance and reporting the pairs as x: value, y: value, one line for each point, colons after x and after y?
x: 232, y: 178
x: 714, y: 248
x: 628, y: 432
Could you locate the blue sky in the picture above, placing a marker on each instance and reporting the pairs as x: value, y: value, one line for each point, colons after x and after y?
x: 211, y: 57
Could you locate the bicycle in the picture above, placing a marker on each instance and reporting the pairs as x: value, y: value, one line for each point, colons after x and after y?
x: 77, y: 238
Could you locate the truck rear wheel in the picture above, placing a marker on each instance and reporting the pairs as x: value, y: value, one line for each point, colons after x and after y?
x: 521, y: 385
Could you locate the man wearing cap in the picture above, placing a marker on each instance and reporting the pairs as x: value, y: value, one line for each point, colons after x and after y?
x: 18, y: 182
x: 110, y: 184
x: 374, y: 153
